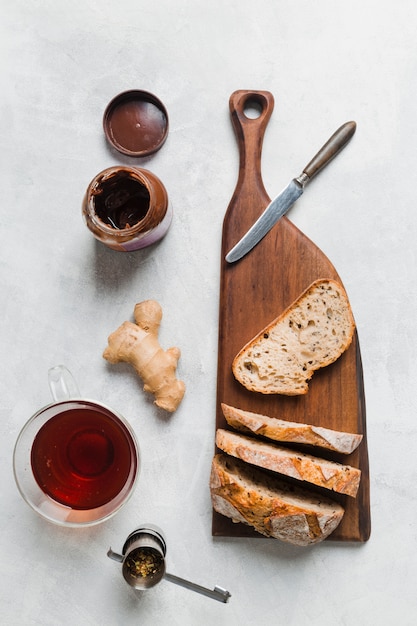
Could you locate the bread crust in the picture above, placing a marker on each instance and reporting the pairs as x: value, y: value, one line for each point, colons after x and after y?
x: 274, y: 509
x: 304, y: 467
x: 284, y: 430
x: 310, y: 334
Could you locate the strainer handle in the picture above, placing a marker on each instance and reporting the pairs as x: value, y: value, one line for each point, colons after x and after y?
x: 218, y: 593
x: 115, y: 556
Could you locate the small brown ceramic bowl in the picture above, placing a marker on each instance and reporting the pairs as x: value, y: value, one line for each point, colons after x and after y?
x: 136, y: 123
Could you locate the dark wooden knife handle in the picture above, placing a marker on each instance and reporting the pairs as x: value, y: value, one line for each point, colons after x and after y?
x: 250, y: 133
x: 331, y: 148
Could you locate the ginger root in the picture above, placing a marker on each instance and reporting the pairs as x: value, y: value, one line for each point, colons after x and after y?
x: 138, y: 344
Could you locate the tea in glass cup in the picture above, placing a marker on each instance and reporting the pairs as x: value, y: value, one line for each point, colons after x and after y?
x: 76, y: 461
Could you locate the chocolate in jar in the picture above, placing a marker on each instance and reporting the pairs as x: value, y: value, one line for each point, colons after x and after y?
x: 127, y: 208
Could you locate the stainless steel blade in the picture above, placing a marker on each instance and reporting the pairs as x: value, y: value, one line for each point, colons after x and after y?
x: 278, y: 207
x: 273, y: 212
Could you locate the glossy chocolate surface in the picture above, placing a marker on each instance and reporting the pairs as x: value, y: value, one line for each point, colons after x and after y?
x: 127, y: 208
x: 136, y: 123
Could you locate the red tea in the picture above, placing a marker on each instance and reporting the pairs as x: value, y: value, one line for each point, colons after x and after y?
x: 83, y: 457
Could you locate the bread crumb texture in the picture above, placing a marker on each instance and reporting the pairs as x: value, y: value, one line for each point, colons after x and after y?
x: 295, y: 464
x: 286, y: 431
x: 273, y: 508
x: 311, y: 333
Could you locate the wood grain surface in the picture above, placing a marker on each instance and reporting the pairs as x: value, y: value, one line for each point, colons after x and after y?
x: 255, y: 290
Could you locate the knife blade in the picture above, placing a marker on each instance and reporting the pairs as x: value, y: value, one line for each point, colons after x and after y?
x: 284, y: 201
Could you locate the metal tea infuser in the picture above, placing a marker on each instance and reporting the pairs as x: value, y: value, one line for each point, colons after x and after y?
x: 143, y: 559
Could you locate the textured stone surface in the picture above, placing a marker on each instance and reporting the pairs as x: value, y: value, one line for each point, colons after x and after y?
x: 63, y: 293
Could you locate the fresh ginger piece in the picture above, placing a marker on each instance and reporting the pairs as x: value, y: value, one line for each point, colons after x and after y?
x: 138, y: 344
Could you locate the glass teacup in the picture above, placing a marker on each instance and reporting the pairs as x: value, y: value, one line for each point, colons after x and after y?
x: 76, y: 461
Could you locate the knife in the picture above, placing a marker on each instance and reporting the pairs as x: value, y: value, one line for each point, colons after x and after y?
x: 284, y: 201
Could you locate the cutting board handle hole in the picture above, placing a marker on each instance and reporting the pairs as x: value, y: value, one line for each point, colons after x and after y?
x: 253, y: 108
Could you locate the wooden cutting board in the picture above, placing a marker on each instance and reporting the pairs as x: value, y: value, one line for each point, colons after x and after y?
x: 255, y: 290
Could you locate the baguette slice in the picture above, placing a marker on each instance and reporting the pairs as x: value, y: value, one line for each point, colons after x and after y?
x: 310, y: 334
x: 328, y: 474
x: 283, y: 430
x: 273, y: 508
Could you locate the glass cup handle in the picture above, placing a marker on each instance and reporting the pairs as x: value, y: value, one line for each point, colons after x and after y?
x: 62, y: 383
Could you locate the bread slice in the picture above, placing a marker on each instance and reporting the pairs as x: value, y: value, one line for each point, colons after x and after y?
x: 321, y: 472
x: 273, y: 508
x: 283, y: 430
x: 310, y: 334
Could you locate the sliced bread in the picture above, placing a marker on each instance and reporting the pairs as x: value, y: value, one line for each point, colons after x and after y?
x: 283, y: 430
x: 273, y: 508
x: 310, y: 334
x: 306, y: 467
